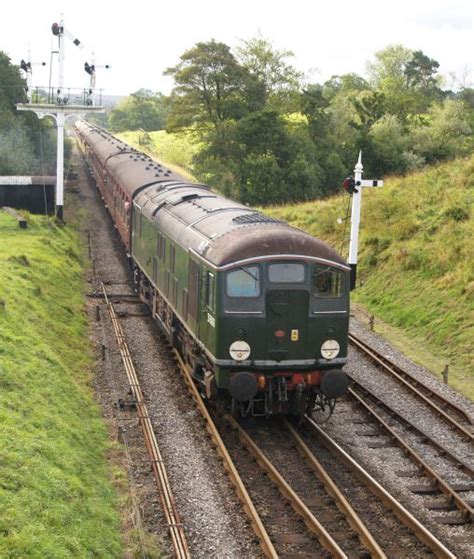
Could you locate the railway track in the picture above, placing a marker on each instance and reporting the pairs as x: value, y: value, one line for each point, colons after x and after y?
x: 321, y: 521
x: 424, y: 437
x: 332, y: 526
x: 433, y: 483
x: 175, y: 527
x: 422, y: 534
x: 321, y: 524
x: 457, y: 418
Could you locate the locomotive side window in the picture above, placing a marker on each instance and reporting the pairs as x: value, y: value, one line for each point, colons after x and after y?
x: 327, y: 282
x: 193, y: 275
x: 161, y: 247
x: 244, y: 282
x: 286, y: 272
x: 210, y: 299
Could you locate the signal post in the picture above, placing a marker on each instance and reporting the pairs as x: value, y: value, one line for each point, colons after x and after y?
x: 61, y: 108
x: 354, y: 186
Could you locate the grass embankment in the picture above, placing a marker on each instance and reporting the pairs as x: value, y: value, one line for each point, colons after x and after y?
x: 56, y: 496
x: 416, y: 261
x: 175, y: 150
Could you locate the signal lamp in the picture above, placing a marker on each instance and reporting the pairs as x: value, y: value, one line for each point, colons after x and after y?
x: 349, y: 184
x: 279, y: 334
x: 56, y: 29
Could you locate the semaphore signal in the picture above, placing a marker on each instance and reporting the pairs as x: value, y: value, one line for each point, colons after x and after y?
x: 354, y: 186
x: 60, y: 108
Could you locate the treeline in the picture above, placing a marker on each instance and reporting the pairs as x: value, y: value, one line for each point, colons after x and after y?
x: 27, y: 144
x: 267, y: 136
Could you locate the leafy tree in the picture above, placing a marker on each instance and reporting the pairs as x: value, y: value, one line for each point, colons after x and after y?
x: 314, y: 106
x: 448, y: 134
x: 143, y: 110
x: 420, y: 75
x: 420, y: 72
x: 347, y: 83
x: 208, y: 84
x: 26, y: 144
x: 12, y: 85
x: 271, y: 80
x: 16, y: 151
x: 387, y: 76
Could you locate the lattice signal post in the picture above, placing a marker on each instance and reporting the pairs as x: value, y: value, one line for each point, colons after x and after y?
x: 60, y: 109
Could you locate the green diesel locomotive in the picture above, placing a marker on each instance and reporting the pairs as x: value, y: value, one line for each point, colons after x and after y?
x: 258, y: 309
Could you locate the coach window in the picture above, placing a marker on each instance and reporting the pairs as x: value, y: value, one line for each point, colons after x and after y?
x: 210, y: 298
x: 286, y: 272
x: 327, y: 282
x: 244, y: 282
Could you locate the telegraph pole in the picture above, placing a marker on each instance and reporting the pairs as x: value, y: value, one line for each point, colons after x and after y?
x: 354, y: 186
x: 60, y: 110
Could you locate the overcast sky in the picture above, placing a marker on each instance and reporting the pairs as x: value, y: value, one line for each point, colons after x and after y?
x: 140, y: 39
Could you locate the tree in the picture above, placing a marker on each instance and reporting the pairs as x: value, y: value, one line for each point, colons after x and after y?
x: 387, y: 76
x: 347, y: 83
x: 447, y: 134
x: 12, y: 85
x: 272, y: 81
x: 143, y: 110
x: 420, y: 75
x: 208, y: 84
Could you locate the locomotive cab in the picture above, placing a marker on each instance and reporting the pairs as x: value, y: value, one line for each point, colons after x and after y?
x: 281, y: 334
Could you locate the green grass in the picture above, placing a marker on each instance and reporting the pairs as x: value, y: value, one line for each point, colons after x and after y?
x: 175, y: 150
x: 416, y: 261
x: 56, y: 496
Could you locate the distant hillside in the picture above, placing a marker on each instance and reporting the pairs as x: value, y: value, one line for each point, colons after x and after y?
x: 416, y: 257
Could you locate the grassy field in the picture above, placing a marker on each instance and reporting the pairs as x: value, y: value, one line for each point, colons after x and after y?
x: 416, y: 261
x: 57, y: 497
x: 176, y: 150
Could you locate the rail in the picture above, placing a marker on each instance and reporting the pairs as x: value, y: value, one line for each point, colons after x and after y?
x: 298, y: 505
x: 426, y: 438
x: 341, y: 502
x: 436, y: 480
x: 404, y: 516
x: 175, y: 526
x: 417, y: 388
x: 242, y: 493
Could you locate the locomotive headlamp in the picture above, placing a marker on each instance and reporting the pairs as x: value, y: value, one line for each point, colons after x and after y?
x: 239, y: 350
x: 330, y: 349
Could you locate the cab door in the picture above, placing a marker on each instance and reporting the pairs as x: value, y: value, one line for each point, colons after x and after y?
x: 287, y: 323
x: 207, y: 309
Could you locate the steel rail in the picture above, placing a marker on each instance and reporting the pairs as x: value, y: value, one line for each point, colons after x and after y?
x: 342, y: 504
x: 445, y: 452
x: 173, y: 520
x: 235, y: 478
x: 438, y: 482
x: 414, y: 386
x: 404, y: 516
x: 298, y: 505
x: 331, y: 488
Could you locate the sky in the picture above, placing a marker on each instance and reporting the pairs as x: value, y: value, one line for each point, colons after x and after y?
x: 140, y: 39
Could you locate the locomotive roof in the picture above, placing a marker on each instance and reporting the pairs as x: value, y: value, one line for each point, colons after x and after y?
x: 218, y: 229
x: 223, y: 231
